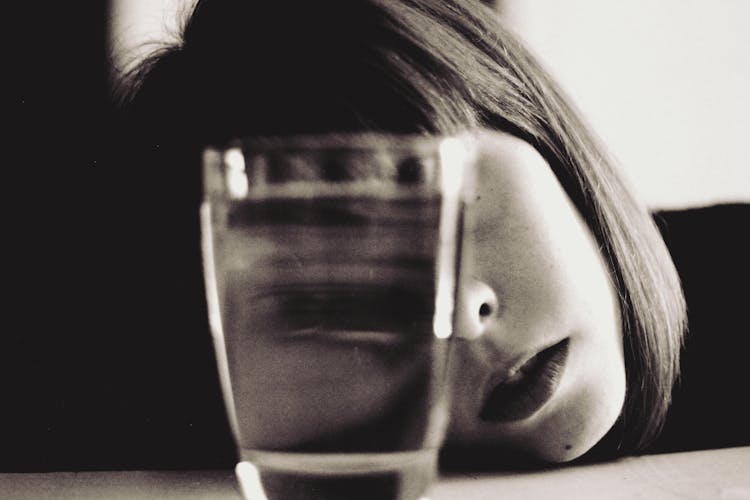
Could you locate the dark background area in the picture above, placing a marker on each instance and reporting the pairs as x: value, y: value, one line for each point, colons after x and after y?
x: 55, y: 133
x: 108, y: 361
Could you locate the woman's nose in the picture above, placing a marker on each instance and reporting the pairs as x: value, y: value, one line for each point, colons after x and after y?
x: 477, y: 306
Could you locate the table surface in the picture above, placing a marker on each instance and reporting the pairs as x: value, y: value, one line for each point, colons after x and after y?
x: 721, y: 473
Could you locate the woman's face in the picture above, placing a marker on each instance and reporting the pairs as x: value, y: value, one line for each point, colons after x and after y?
x: 540, y: 364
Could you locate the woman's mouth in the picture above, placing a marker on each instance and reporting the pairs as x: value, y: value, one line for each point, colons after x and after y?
x: 528, y: 388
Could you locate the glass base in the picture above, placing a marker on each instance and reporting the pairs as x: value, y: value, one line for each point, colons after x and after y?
x: 307, y: 476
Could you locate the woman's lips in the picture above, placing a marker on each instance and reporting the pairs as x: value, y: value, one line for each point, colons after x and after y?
x: 524, y: 392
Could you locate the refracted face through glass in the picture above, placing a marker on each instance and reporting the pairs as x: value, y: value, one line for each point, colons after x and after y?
x: 331, y: 276
x: 329, y: 312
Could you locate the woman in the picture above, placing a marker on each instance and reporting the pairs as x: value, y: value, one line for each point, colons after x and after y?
x: 571, y: 280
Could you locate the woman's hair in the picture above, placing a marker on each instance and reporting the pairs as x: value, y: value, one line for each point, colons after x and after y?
x: 245, y: 67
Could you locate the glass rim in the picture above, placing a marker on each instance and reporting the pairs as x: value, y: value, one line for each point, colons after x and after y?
x: 340, y: 141
x: 240, y: 179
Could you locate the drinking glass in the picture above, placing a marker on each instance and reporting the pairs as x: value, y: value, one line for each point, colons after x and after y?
x: 331, y: 267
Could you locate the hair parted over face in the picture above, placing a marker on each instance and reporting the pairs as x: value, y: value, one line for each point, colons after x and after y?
x: 248, y: 68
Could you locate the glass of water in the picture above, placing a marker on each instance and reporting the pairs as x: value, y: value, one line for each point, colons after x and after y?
x: 331, y: 266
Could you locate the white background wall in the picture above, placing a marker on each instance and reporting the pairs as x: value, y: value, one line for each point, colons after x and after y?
x: 137, y: 21
x: 665, y: 83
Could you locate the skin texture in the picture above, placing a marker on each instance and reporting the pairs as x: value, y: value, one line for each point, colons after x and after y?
x: 534, y: 271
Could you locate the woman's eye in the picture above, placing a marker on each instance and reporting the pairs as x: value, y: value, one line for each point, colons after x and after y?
x: 392, y: 311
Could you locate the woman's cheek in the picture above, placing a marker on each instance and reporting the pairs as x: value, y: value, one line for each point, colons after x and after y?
x: 583, y: 414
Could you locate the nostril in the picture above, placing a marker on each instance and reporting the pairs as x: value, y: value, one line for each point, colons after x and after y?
x: 478, y: 308
x: 485, y: 310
